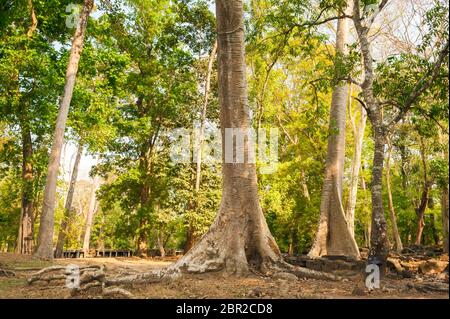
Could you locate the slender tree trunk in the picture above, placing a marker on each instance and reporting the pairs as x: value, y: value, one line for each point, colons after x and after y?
x: 68, y: 212
x: 25, y: 240
x: 379, y: 244
x: 420, y: 210
x: 34, y: 20
x: 434, y: 230
x: 395, y: 233
x: 203, y: 117
x: 90, y: 215
x: 26, y: 227
x: 239, y: 237
x: 333, y: 236
x: 358, y: 133
x: 160, y: 243
x: 190, y: 236
x: 444, y: 197
x: 46, y: 228
x: 142, y: 239
x: 444, y: 212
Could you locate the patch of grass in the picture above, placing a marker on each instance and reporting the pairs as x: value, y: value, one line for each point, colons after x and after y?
x: 10, y: 283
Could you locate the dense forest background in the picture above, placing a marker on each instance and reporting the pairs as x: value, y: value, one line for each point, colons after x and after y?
x: 143, y: 72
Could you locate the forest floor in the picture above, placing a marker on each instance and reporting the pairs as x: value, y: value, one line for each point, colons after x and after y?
x: 213, y: 285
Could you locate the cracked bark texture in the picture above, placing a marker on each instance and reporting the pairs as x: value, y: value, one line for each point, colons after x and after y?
x: 333, y: 236
x: 379, y: 245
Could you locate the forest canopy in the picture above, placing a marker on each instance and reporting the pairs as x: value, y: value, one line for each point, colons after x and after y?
x: 348, y: 101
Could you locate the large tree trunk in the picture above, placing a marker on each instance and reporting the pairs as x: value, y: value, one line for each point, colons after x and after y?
x: 239, y: 237
x: 25, y: 238
x: 358, y: 133
x: 395, y: 233
x: 90, y: 216
x: 420, y: 209
x: 68, y: 206
x: 46, y: 228
x: 333, y: 236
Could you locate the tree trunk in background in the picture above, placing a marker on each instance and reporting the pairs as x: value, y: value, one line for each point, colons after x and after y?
x: 26, y: 227
x: 190, y: 235
x: 444, y: 197
x: 90, y: 215
x: 333, y: 236
x: 160, y: 243
x: 444, y: 212
x: 420, y: 210
x: 358, y: 133
x: 395, y: 233
x: 142, y: 239
x: 239, y: 237
x: 67, y: 218
x: 25, y: 239
x: 46, y: 228
x: 203, y: 117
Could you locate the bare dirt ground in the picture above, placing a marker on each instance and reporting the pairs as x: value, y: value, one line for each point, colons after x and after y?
x: 215, y: 285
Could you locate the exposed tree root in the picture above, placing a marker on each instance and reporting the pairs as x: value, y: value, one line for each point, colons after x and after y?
x: 7, y: 273
x: 429, y: 287
x: 90, y: 277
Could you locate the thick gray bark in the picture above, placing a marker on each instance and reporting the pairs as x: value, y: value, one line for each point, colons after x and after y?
x: 333, y: 236
x: 46, y: 228
x: 379, y: 245
x: 239, y: 238
x: 68, y: 206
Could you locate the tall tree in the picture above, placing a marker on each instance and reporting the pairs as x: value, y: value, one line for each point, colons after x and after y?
x: 239, y: 237
x: 46, y: 227
x: 423, y: 203
x: 363, y: 21
x: 333, y: 236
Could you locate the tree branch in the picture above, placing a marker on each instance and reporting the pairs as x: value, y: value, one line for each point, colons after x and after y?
x: 422, y: 85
